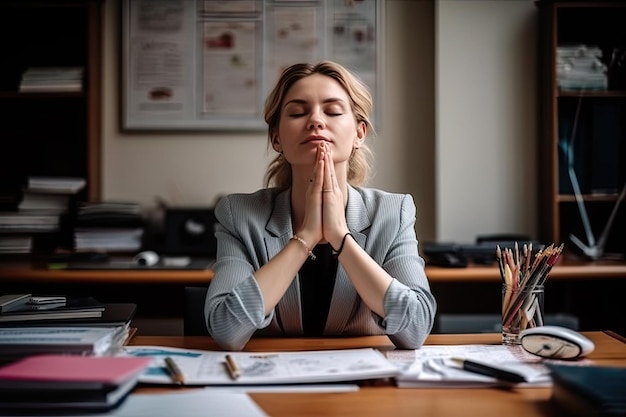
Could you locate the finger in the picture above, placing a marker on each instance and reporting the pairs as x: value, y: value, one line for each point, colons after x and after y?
x: 318, y: 155
x: 333, y: 174
x: 318, y: 172
x: 329, y: 171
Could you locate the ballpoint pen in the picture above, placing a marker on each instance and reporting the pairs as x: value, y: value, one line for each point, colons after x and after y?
x: 483, y: 369
x: 174, y: 371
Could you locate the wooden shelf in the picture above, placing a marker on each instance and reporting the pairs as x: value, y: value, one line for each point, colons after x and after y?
x: 24, y: 272
x: 564, y: 271
x: 471, y: 290
x: 569, y: 198
x: 38, y: 96
x: 579, y: 270
x: 591, y: 93
x: 592, y: 122
x: 51, y: 133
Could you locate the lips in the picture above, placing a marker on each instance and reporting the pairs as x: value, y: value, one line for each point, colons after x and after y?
x: 316, y: 139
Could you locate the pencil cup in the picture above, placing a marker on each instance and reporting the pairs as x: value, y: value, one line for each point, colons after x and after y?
x: 522, y: 308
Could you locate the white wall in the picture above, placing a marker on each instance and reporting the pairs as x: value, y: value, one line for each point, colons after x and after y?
x: 482, y: 165
x: 184, y: 168
x: 486, y: 118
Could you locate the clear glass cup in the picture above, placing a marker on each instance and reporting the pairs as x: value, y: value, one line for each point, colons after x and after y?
x: 522, y: 308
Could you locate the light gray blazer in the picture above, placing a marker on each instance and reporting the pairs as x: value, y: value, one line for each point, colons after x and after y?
x: 253, y: 228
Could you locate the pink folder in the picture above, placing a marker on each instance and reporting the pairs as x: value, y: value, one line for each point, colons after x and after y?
x: 87, y: 372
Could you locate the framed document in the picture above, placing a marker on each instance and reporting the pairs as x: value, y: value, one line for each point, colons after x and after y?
x: 209, y: 65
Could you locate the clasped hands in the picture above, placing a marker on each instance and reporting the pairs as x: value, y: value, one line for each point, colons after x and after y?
x: 324, y: 217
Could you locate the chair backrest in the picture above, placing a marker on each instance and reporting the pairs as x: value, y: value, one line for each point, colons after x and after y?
x: 492, y: 323
x: 194, y: 324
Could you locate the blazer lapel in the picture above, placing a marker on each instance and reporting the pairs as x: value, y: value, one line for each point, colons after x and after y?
x: 280, y: 231
x: 344, y: 295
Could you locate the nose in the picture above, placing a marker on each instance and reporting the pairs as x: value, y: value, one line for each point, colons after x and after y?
x: 316, y: 121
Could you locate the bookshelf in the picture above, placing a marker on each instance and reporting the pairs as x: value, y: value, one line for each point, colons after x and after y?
x: 582, y: 138
x: 54, y: 133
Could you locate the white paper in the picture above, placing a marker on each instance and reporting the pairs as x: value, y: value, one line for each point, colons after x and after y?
x: 196, y: 403
x: 201, y: 367
x: 190, y: 403
x: 431, y: 366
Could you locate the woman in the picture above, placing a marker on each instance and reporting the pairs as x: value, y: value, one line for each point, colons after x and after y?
x: 313, y: 254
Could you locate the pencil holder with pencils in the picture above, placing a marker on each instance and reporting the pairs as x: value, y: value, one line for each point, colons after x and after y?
x: 523, y: 277
x: 530, y: 313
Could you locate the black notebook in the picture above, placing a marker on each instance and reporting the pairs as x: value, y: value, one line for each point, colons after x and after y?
x: 114, y: 314
x: 589, y: 390
x: 72, y: 308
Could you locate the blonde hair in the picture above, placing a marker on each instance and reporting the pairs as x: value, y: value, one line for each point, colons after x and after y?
x: 279, y: 170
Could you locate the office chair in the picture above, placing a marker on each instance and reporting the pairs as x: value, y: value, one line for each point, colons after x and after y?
x: 194, y: 324
x: 492, y: 323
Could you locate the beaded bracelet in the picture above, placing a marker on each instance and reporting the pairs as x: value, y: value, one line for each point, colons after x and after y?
x: 337, y: 252
x: 306, y: 246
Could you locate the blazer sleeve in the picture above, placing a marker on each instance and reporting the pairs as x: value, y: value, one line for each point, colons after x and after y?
x: 409, y: 305
x: 234, y: 307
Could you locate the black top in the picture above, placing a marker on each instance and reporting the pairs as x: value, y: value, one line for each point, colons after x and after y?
x: 317, y: 279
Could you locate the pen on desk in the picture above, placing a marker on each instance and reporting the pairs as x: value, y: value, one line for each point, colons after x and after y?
x: 232, y: 367
x: 487, y: 370
x: 174, y: 371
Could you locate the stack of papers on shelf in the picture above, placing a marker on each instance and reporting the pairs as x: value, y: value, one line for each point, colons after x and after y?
x: 102, y: 210
x: 54, y: 309
x: 580, y: 67
x: 201, y: 367
x: 28, y: 222
x: 52, y: 79
x: 432, y: 366
x: 108, y: 239
x: 109, y: 226
x: 48, y: 202
x: 16, y: 342
x: 15, y: 244
x: 68, y: 382
x: 60, y: 185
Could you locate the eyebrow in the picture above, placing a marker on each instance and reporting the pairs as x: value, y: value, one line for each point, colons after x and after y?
x: 326, y: 101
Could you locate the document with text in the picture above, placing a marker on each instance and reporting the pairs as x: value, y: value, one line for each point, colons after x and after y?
x: 201, y: 367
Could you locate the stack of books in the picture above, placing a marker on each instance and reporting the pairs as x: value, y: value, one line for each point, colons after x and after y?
x: 109, y: 227
x: 18, y: 342
x: 39, y: 213
x: 68, y: 382
x: 28, y: 310
x: 52, y: 80
x: 20, y: 230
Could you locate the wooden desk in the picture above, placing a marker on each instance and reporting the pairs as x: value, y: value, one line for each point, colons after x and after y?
x: 383, y: 399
